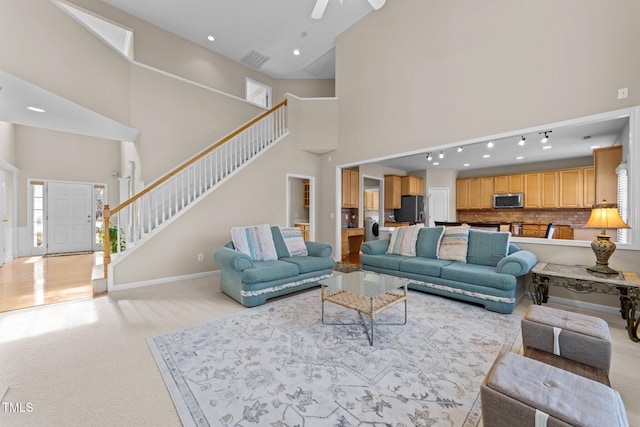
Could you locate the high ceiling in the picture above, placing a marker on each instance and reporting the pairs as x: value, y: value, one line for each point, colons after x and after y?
x: 271, y: 29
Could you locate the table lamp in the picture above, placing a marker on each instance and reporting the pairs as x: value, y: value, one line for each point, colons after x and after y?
x: 604, y: 215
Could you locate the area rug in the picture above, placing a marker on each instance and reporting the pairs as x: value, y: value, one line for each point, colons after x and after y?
x: 346, y: 267
x: 278, y: 365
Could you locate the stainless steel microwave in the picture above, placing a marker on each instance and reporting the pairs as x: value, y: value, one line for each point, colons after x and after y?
x: 515, y: 200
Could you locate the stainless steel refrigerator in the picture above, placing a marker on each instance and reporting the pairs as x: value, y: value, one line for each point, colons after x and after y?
x: 412, y: 209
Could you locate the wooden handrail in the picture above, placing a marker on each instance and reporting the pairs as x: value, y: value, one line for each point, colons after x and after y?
x: 195, y: 159
x: 108, y: 213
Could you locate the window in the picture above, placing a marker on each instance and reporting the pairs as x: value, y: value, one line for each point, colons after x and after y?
x: 37, y: 188
x: 98, y: 191
x: 258, y: 93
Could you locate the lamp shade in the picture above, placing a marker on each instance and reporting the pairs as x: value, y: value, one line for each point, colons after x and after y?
x: 605, y: 215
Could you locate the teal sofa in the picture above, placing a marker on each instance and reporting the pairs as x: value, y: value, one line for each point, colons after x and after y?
x: 251, y: 283
x: 493, y: 276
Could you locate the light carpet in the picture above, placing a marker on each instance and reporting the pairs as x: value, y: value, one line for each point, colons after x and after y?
x: 278, y: 365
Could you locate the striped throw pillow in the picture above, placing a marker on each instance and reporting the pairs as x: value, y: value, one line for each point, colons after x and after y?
x: 255, y: 241
x: 453, y: 244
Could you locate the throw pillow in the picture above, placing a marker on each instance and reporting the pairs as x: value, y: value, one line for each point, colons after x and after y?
x: 294, y: 241
x: 403, y: 240
x: 255, y: 241
x: 453, y: 244
x: 487, y: 247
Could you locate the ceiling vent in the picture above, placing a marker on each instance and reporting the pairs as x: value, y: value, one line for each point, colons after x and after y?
x: 324, y: 66
x: 254, y: 59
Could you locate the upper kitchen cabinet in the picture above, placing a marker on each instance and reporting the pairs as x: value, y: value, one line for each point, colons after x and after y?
x: 392, y: 192
x: 588, y: 187
x: 571, y: 188
x: 474, y: 193
x: 371, y: 200
x: 605, y: 162
x: 350, y: 188
x: 305, y: 193
x: 506, y: 184
x: 411, y: 186
x: 532, y: 189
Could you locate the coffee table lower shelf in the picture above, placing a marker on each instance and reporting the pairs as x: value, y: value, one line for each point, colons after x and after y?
x: 371, y: 306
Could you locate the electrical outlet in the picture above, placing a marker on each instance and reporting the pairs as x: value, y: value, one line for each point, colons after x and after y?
x: 200, y: 257
x: 623, y: 93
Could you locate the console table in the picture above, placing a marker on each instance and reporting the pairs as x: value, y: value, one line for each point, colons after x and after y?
x: 579, y: 279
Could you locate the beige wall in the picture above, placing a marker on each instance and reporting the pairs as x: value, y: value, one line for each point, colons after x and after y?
x: 59, y: 156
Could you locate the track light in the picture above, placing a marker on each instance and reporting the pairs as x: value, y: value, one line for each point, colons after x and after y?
x: 545, y: 138
x: 441, y: 155
x: 490, y: 144
x: 522, y: 141
x: 459, y: 149
x: 429, y: 157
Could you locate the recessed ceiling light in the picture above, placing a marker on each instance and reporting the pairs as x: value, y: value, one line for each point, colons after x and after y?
x: 546, y: 147
x: 466, y: 164
x: 36, y: 109
x: 593, y: 147
x: 486, y: 156
x: 211, y: 38
x: 296, y: 52
x: 436, y: 163
x: 519, y: 157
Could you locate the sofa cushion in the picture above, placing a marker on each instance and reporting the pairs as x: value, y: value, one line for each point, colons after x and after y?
x: 487, y: 247
x: 387, y: 261
x: 293, y: 241
x: 403, y: 240
x: 453, y: 243
x: 255, y: 241
x: 265, y: 271
x: 308, y: 264
x: 424, y: 266
x: 482, y: 275
x: 427, y: 244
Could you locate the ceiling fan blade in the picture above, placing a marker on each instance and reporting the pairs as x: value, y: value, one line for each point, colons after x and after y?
x: 377, y: 4
x: 318, y: 9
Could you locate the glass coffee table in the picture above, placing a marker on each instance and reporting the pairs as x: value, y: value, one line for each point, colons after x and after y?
x: 367, y: 293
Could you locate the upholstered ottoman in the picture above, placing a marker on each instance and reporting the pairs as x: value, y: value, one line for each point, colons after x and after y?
x: 574, y: 336
x: 519, y: 391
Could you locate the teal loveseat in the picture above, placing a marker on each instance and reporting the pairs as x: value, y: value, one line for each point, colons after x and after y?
x: 493, y: 275
x: 251, y: 282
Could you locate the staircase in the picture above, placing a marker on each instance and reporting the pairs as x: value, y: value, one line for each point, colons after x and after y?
x: 144, y: 214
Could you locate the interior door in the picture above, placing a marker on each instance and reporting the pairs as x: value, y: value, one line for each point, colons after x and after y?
x: 438, y: 205
x: 69, y: 217
x: 3, y: 216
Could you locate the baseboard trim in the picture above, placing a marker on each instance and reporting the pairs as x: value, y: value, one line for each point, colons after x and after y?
x: 161, y: 281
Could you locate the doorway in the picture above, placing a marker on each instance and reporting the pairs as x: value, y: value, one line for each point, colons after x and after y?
x: 301, y: 204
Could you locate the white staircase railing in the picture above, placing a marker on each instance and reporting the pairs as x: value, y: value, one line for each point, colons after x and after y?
x: 133, y: 220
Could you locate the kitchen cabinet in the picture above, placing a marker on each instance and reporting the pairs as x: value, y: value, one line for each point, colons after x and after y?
x: 506, y: 184
x: 371, y: 200
x: 305, y: 194
x: 605, y: 162
x: 533, y: 230
x: 474, y: 193
x: 350, y: 188
x: 392, y: 192
x: 549, y: 189
x: 532, y: 189
x: 411, y: 186
x: 563, y: 232
x: 352, y: 239
x: 305, y: 230
x: 588, y: 187
x: 570, y: 188
x: 462, y: 194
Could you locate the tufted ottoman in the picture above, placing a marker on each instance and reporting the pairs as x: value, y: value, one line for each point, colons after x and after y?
x: 519, y: 391
x: 574, y: 336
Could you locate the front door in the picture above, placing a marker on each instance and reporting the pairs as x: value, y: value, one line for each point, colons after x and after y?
x: 69, y: 217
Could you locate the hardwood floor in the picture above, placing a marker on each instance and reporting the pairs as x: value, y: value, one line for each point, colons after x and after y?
x: 32, y: 281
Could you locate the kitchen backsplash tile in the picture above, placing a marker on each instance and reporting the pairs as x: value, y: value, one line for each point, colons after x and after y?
x: 577, y: 218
